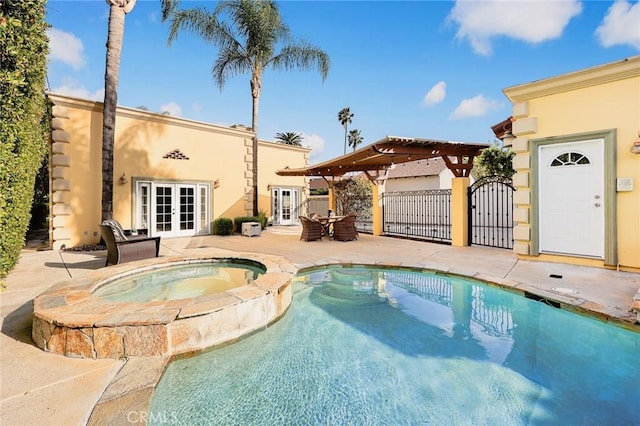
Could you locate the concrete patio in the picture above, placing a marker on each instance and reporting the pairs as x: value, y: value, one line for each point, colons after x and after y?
x: 36, y: 386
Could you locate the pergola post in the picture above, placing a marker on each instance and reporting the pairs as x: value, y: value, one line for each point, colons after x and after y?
x: 332, y: 198
x: 459, y: 212
x: 376, y: 211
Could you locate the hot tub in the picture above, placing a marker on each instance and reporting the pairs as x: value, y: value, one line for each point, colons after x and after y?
x: 100, y: 317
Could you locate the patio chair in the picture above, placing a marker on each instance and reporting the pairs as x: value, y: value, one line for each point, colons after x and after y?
x: 311, y: 229
x: 122, y: 248
x: 345, y: 229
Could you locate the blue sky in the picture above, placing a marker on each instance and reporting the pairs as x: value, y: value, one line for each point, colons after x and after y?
x: 428, y: 69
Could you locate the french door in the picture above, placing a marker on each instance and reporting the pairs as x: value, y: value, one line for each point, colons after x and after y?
x: 173, y: 209
x: 285, y: 205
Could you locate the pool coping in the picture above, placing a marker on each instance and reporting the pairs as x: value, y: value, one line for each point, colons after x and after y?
x: 127, y: 399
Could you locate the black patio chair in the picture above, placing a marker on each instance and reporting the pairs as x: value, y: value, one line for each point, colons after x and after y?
x: 122, y: 248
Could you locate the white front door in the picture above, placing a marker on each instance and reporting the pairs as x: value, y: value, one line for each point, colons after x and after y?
x: 571, y: 198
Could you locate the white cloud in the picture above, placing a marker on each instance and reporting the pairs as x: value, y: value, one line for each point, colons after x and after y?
x: 314, y: 142
x: 474, y: 107
x: 435, y: 95
x: 71, y: 87
x: 172, y: 108
x: 621, y: 25
x: 66, y: 48
x: 526, y: 20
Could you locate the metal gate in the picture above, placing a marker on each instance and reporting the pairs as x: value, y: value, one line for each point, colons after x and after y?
x: 491, y: 212
x: 424, y: 215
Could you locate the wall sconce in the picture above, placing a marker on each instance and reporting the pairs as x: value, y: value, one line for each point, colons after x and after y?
x: 508, y: 138
x: 123, y: 180
x: 635, y: 148
x: 216, y: 183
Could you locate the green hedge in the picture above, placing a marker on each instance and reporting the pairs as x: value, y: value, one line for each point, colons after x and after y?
x: 222, y: 226
x: 23, y: 118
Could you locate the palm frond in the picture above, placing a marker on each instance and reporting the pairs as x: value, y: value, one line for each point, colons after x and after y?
x: 197, y: 20
x: 303, y: 56
x: 345, y: 116
x: 230, y: 63
x: 167, y: 8
x: 289, y: 138
x: 355, y: 138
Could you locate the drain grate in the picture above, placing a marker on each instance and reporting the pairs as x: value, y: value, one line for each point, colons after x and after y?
x: 565, y: 290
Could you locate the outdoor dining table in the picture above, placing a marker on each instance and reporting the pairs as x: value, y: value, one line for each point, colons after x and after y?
x: 327, y: 222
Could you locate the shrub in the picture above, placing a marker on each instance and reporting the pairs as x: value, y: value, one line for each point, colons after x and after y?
x: 238, y: 221
x: 23, y: 119
x: 222, y: 226
x: 263, y: 219
x: 353, y: 195
x: 494, y: 161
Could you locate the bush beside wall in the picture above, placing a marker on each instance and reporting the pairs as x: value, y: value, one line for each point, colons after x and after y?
x: 222, y: 226
x: 23, y: 128
x: 263, y: 219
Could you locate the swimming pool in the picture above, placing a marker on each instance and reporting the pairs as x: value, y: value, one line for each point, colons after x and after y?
x: 380, y: 346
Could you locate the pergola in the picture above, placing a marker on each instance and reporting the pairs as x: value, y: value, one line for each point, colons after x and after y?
x: 379, y: 156
x: 392, y: 150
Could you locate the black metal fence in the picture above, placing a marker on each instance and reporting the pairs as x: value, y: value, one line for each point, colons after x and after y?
x: 491, y: 212
x: 422, y: 215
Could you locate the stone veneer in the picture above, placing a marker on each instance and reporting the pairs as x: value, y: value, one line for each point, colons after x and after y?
x: 635, y: 306
x: 69, y: 320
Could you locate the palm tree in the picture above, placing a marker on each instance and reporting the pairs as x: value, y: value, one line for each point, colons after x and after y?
x: 289, y: 138
x: 247, y: 42
x: 345, y: 116
x: 117, y: 10
x: 355, y: 138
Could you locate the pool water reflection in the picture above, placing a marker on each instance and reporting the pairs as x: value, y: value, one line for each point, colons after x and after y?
x: 381, y: 346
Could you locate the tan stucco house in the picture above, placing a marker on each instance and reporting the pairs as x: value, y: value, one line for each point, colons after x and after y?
x: 578, y: 166
x: 172, y: 176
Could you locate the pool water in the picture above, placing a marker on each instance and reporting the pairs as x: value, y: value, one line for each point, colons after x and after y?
x: 179, y: 281
x: 368, y: 346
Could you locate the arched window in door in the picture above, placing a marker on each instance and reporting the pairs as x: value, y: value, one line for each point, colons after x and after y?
x: 570, y: 159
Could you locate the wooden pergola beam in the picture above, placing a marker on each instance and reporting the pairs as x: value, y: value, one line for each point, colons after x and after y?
x: 391, y: 150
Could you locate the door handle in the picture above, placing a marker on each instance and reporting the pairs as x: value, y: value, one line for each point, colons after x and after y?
x: 597, y: 204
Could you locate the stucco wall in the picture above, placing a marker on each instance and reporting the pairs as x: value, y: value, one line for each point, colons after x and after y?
x: 420, y: 183
x: 595, y: 100
x: 275, y: 156
x: 206, y: 153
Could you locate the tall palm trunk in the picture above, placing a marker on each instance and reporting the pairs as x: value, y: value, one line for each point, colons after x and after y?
x: 345, y: 138
x: 117, y: 11
x: 256, y: 85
